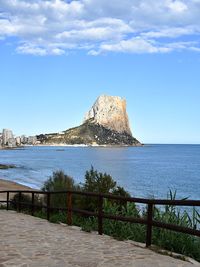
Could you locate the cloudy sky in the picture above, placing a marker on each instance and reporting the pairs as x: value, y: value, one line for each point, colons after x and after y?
x: 99, y: 26
x: 58, y: 56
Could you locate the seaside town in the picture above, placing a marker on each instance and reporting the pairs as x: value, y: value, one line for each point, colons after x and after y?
x: 8, y: 140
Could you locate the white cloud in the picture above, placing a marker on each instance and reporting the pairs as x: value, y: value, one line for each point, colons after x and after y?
x: 194, y: 48
x: 31, y: 49
x: 177, y: 6
x: 7, y: 28
x: 100, y: 29
x: 171, y: 32
x: 54, y: 27
x: 134, y: 45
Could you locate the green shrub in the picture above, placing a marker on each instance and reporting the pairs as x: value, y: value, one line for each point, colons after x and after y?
x: 26, y: 200
x: 59, y: 182
x: 99, y: 182
x: 178, y: 242
x: 94, y: 182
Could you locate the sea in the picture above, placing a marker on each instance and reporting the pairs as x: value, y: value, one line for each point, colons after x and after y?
x: 148, y: 171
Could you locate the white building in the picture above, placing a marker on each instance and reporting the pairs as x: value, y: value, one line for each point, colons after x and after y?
x: 24, y: 139
x: 18, y: 140
x: 6, y: 136
x: 1, y: 140
x: 32, y: 140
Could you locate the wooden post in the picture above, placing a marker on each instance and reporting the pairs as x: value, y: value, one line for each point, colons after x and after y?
x: 7, y: 200
x: 100, y: 217
x: 48, y: 206
x: 19, y: 201
x: 69, y: 208
x: 32, y: 202
x: 149, y: 224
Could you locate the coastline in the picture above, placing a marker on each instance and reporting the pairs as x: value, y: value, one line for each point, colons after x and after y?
x: 10, y: 185
x: 69, y: 145
x: 11, y: 148
x: 80, y: 145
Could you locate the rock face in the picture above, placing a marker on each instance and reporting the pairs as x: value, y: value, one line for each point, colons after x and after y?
x: 110, y: 112
x: 105, y: 124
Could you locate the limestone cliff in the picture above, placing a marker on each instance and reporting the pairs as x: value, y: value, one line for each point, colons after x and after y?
x: 110, y: 112
x: 105, y: 124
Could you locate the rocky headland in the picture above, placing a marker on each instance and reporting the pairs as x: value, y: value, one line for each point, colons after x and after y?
x: 106, y: 123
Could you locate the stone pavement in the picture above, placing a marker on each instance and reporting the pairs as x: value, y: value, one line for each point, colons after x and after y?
x: 27, y: 241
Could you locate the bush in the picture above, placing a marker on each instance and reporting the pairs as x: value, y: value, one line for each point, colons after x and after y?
x: 120, y: 191
x: 59, y: 182
x: 26, y: 200
x: 178, y: 242
x: 99, y: 182
x: 94, y: 182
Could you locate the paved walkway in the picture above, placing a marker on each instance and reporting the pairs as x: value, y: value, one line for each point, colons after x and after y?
x: 32, y: 242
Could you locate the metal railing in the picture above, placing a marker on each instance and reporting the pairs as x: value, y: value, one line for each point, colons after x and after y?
x: 148, y: 221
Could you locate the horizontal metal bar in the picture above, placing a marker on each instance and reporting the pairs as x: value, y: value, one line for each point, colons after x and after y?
x: 115, y: 197
x: 176, y: 228
x: 57, y: 209
x: 112, y: 217
x: 175, y: 202
x: 124, y: 219
x: 86, y: 212
x: 23, y: 191
x: 28, y: 204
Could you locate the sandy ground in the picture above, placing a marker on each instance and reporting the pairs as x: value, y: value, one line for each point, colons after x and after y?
x: 8, y: 185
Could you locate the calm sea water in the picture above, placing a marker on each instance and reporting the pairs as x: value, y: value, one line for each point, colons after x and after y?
x: 144, y: 171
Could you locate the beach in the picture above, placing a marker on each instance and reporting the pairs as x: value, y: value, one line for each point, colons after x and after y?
x: 8, y: 185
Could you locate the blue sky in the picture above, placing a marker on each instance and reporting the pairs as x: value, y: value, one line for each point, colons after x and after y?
x: 57, y: 57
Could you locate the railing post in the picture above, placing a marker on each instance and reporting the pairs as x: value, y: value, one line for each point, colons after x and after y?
x: 48, y: 206
x: 69, y: 208
x: 32, y: 202
x: 7, y: 206
x: 149, y: 224
x: 100, y: 215
x: 19, y: 202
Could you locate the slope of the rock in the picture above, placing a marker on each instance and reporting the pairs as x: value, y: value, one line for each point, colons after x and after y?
x: 90, y: 133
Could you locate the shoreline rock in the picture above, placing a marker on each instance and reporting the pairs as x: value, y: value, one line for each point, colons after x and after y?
x: 7, y: 166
